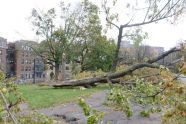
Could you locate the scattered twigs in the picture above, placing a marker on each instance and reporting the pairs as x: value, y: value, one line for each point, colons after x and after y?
x: 13, y: 104
x: 144, y: 76
x: 153, y: 95
x: 151, y: 75
x: 163, y: 89
x: 109, y: 82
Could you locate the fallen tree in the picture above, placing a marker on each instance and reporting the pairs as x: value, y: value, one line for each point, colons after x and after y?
x: 103, y: 78
x: 113, y: 76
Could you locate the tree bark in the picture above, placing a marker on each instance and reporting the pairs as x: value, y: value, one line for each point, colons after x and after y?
x: 56, y: 71
x: 115, y: 60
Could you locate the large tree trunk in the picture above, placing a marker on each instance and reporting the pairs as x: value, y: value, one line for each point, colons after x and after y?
x: 115, y: 60
x: 56, y: 71
x: 113, y: 76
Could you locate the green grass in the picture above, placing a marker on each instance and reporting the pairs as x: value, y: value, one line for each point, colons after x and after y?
x: 40, y: 97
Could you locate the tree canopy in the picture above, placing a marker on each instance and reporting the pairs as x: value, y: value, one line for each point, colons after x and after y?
x: 77, y: 39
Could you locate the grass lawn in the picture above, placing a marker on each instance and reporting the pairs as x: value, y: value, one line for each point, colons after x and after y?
x: 39, y: 97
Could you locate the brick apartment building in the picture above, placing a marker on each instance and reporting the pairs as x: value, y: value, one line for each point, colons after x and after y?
x: 17, y: 59
x: 25, y: 65
x: 11, y: 65
x: 3, y: 49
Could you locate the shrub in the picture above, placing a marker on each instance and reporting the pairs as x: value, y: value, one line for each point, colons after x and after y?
x: 10, y: 98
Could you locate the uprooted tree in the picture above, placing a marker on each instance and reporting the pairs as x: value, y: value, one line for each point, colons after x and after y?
x: 111, y: 76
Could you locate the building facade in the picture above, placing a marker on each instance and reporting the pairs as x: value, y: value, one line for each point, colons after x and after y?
x: 3, y: 53
x: 23, y: 64
x: 130, y: 53
x: 18, y: 59
x: 11, y: 57
x: 153, y: 51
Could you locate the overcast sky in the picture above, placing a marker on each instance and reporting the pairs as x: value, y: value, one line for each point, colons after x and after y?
x: 14, y: 23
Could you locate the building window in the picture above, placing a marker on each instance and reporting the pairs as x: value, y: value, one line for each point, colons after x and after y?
x: 26, y: 61
x: 28, y: 76
x: 22, y: 76
x: 25, y: 76
x: 11, y: 61
x: 11, y: 55
x: 29, y: 68
x: 1, y: 52
x: 38, y: 75
x: 26, y: 48
x: 26, y: 69
x: 26, y: 54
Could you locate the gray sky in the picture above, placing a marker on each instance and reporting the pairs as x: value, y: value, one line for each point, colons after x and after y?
x: 14, y: 23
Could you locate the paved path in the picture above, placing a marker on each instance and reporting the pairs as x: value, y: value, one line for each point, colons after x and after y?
x: 182, y: 78
x: 73, y: 114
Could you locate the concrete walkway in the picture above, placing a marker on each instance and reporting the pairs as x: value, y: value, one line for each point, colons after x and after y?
x: 72, y: 114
